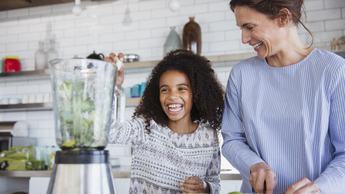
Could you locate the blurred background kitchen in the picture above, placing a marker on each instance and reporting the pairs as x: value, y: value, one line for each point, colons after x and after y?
x: 139, y: 27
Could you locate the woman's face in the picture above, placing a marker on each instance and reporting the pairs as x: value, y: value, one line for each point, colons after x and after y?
x: 176, y: 95
x: 259, y: 31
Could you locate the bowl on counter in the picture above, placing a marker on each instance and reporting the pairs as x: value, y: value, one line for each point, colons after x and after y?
x: 130, y: 58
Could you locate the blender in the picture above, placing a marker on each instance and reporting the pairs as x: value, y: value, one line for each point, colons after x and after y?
x: 85, y: 102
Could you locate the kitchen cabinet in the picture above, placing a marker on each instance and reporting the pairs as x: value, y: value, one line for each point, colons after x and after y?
x: 36, y: 182
x: 18, y: 4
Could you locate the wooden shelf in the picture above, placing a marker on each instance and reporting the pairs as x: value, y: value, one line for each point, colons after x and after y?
x: 49, y: 106
x: 132, y: 101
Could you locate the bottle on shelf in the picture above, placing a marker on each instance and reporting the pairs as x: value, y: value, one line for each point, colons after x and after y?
x: 40, y: 57
x: 52, y: 158
x: 52, y: 53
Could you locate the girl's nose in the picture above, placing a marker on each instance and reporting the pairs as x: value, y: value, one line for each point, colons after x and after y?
x: 245, y: 37
x: 173, y: 96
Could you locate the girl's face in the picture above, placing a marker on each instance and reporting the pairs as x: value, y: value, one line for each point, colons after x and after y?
x: 259, y: 31
x: 176, y: 95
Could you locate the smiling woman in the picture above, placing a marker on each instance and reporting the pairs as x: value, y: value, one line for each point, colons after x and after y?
x: 285, y: 108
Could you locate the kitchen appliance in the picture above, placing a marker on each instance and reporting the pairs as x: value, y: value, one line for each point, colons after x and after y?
x: 5, y: 141
x: 6, y: 137
x: 11, y: 64
x: 84, y: 102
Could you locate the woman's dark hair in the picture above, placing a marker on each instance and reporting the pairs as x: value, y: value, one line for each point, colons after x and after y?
x: 271, y: 8
x: 208, y: 103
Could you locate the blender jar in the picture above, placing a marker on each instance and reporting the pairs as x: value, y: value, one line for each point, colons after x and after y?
x: 83, y: 95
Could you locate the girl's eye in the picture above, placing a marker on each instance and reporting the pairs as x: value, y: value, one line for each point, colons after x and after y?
x: 182, y: 88
x: 164, y: 90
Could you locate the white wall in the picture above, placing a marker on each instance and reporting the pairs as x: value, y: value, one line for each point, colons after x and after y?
x: 100, y: 28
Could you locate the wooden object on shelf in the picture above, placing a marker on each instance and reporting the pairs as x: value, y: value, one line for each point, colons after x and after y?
x: 191, y: 36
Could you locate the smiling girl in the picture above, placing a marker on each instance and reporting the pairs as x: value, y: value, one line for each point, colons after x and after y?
x: 174, y: 130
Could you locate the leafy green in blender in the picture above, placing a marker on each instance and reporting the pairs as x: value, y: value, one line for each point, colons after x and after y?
x: 77, y: 115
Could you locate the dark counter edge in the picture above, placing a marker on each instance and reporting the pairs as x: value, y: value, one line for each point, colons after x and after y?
x: 117, y: 173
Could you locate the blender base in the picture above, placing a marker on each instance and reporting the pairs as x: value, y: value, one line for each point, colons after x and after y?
x: 81, y: 172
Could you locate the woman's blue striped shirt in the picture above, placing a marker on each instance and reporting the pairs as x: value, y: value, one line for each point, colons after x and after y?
x: 292, y: 118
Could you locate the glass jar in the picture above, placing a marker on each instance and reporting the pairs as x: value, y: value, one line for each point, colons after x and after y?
x: 40, y: 57
x: 83, y: 99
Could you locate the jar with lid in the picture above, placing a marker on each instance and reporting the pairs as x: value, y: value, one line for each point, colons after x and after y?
x: 11, y: 64
x: 40, y: 57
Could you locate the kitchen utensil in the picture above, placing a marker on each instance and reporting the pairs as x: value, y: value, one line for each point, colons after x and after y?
x: 4, y: 101
x: 130, y: 58
x: 82, y: 95
x: 142, y: 88
x: 11, y: 64
x: 135, y: 91
x: 14, y: 100
x: 85, y: 102
x: 25, y: 99
x: 47, y: 97
x: 39, y: 98
x: 128, y: 92
x: 32, y: 98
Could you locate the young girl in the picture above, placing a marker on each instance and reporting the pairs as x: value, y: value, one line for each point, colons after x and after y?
x: 173, y: 132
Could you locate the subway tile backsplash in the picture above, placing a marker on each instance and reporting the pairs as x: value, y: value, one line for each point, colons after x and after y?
x: 100, y: 28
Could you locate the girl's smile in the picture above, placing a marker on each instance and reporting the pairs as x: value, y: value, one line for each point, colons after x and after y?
x: 176, y: 97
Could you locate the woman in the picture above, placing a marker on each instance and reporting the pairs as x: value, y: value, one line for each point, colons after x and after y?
x: 284, y: 119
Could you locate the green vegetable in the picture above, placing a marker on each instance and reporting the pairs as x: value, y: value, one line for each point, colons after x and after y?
x: 77, y: 114
x: 235, y: 192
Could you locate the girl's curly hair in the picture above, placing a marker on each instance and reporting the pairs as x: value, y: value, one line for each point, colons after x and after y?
x: 208, y: 103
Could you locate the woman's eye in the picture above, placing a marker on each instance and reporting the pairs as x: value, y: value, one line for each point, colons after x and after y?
x: 250, y: 28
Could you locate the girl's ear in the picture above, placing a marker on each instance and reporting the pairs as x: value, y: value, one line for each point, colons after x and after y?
x: 284, y: 17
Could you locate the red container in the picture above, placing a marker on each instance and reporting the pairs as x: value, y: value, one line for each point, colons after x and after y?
x: 11, y: 64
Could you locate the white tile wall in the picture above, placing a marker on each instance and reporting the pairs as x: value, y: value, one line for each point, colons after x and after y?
x: 99, y: 28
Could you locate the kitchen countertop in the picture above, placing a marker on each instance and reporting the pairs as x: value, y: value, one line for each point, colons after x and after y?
x: 120, y: 172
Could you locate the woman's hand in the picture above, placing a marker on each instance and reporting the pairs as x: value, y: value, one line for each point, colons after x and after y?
x: 194, y: 185
x: 262, y: 178
x: 303, y: 186
x: 120, y: 74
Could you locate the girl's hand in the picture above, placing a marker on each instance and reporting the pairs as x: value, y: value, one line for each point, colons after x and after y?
x: 120, y: 74
x: 194, y: 185
x: 303, y: 186
x: 262, y: 178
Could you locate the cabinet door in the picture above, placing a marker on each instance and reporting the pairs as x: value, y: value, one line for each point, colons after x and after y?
x: 230, y: 186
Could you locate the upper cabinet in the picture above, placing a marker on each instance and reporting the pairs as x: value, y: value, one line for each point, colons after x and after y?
x: 17, y: 4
